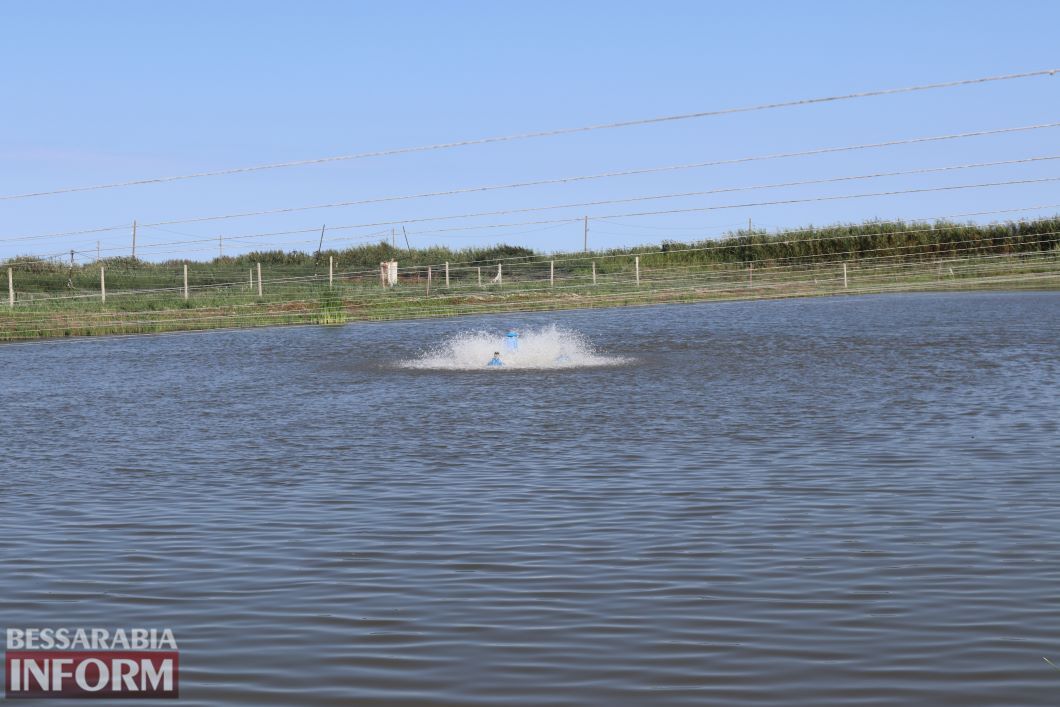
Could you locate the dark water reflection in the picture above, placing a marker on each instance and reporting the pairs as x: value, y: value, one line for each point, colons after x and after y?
x: 826, y: 502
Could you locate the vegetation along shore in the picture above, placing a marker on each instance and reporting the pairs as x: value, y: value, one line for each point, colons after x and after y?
x: 50, y: 298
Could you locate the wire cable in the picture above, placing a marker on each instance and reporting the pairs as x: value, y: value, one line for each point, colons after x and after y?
x: 604, y: 202
x: 540, y: 134
x: 542, y: 182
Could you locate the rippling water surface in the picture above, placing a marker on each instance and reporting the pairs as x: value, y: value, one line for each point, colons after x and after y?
x: 816, y: 502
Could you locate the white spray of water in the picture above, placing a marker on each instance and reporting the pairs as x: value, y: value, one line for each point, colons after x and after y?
x: 545, y: 348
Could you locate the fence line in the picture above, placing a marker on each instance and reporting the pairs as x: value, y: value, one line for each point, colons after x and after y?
x: 722, y: 245
x: 929, y: 250
x: 652, y: 297
x: 1019, y: 260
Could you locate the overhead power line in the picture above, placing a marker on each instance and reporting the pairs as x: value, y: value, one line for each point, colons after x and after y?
x: 538, y: 134
x: 478, y: 227
x: 723, y: 190
x: 603, y: 175
x: 541, y: 182
x: 742, y: 205
x: 378, y: 224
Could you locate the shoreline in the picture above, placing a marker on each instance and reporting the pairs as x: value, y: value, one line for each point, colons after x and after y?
x: 334, y: 308
x: 121, y: 296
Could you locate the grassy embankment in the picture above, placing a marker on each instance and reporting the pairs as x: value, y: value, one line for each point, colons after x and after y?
x: 58, y: 300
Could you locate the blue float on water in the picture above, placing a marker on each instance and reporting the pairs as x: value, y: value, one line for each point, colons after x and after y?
x: 511, y: 340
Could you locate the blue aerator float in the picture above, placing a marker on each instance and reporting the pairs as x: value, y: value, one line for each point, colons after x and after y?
x: 511, y: 342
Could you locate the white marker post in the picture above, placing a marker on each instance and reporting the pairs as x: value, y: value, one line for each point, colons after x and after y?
x: 447, y: 276
x: 185, y: 282
x: 594, y: 272
x: 102, y: 285
x: 479, y: 276
x: 428, y: 280
x: 10, y: 289
x: 331, y: 270
x: 259, y: 279
x: 552, y: 273
x: 844, y: 276
x: 636, y: 268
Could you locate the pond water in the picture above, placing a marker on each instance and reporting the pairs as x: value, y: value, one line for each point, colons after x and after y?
x: 829, y: 502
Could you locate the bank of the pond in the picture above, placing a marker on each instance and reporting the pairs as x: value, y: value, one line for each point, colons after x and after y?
x: 329, y: 308
x: 124, y: 297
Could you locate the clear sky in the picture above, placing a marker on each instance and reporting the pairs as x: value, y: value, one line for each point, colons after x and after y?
x: 95, y: 92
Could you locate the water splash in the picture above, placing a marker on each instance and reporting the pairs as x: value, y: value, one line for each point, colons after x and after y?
x: 545, y: 348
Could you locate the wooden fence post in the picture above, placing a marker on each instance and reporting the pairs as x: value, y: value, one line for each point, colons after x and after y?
x: 10, y: 289
x: 185, y: 282
x: 102, y: 285
x: 259, y: 279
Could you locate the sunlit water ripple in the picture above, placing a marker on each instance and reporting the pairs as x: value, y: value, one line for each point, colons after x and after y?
x: 818, y: 502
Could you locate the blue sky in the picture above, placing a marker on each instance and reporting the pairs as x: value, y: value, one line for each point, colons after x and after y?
x: 109, y: 91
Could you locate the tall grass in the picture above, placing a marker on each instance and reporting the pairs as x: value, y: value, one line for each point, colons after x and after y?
x: 848, y: 242
x: 332, y: 308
